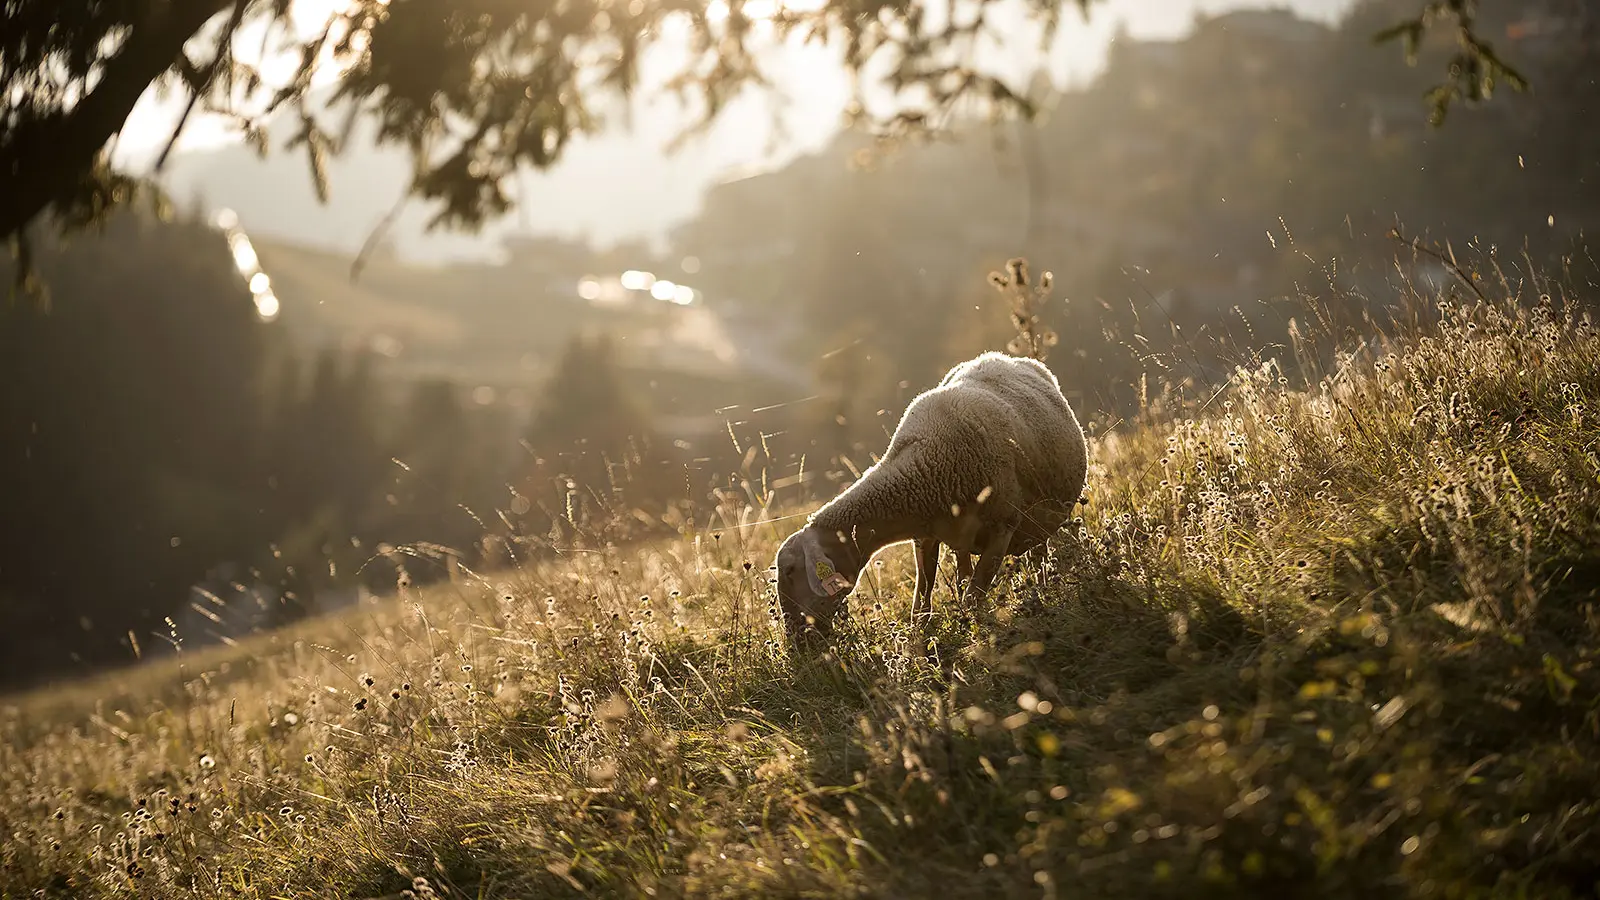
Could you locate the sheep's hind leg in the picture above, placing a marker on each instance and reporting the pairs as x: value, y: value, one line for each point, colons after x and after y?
x: 963, y: 569
x: 989, y: 559
x: 959, y: 589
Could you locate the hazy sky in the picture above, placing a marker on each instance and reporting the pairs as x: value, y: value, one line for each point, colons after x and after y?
x: 815, y: 89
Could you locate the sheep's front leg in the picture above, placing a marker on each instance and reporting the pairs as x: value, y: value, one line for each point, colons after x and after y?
x: 927, y: 571
x: 990, y: 556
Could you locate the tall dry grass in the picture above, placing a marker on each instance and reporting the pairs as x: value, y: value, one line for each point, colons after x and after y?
x: 1330, y: 638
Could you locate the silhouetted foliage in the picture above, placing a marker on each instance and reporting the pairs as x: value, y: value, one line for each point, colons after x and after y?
x: 515, y: 83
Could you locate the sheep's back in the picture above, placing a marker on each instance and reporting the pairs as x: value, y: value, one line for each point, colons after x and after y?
x: 1028, y: 415
x: 996, y: 423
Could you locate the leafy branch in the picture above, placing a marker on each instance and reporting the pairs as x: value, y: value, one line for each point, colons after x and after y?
x: 1473, y: 70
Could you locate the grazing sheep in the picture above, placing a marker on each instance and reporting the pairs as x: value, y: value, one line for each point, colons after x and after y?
x: 991, y: 462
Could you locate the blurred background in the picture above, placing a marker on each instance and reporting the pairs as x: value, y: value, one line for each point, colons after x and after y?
x: 213, y: 424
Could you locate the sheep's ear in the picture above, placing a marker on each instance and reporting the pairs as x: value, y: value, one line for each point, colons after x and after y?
x: 825, y: 579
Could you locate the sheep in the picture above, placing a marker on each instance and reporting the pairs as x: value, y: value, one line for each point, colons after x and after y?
x: 991, y: 462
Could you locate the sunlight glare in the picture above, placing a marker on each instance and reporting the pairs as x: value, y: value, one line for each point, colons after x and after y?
x: 589, y: 289
x: 683, y: 295
x: 635, y: 280
x: 244, y: 255
x: 267, y: 305
x: 663, y: 290
x: 260, y: 283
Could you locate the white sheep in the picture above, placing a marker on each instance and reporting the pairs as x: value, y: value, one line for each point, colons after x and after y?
x: 991, y: 462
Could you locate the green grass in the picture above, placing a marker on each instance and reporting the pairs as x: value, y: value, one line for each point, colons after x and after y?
x: 1336, y: 641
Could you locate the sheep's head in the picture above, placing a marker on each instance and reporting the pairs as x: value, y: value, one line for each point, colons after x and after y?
x: 812, y: 580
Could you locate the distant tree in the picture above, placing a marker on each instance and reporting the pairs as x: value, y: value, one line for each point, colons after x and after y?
x: 450, y: 468
x: 474, y: 89
x: 156, y: 435
x: 856, y: 379
x: 327, y: 466
x: 593, y: 451
x: 330, y: 444
x: 130, y: 439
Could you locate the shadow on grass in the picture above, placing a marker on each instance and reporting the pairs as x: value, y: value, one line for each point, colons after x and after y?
x: 1095, y: 736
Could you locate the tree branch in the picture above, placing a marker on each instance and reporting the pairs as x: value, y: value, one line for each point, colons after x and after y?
x: 43, y: 160
x: 224, y: 51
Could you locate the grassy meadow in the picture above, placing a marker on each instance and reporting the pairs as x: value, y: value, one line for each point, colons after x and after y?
x: 1334, y: 639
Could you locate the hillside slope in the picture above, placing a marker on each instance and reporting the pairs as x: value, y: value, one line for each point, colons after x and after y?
x: 1337, y: 641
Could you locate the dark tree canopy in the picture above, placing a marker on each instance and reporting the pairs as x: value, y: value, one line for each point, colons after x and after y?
x: 476, y: 88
